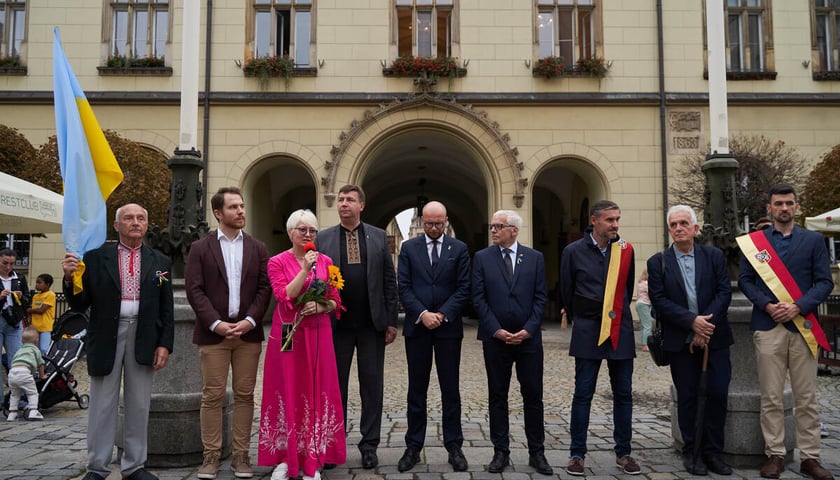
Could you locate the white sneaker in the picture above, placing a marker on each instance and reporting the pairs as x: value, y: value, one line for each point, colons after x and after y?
x: 12, y: 417
x: 316, y: 477
x: 34, y: 415
x: 281, y: 472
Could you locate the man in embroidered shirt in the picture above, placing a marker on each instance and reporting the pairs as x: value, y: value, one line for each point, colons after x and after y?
x: 780, y: 347
x: 585, y: 266
x: 130, y: 336
x: 227, y: 286
x: 370, y: 322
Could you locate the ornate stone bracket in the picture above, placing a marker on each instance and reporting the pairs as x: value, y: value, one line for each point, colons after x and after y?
x: 439, y: 101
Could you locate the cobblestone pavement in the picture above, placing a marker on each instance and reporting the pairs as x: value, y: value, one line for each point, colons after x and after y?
x: 55, y: 448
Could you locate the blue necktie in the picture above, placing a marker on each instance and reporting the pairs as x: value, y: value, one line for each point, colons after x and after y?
x: 508, y: 263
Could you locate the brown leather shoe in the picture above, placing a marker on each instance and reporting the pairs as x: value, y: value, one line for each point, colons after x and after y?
x: 774, y: 467
x: 812, y: 468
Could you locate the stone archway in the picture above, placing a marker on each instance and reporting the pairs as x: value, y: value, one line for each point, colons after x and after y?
x: 274, y: 187
x: 562, y: 191
x: 428, y: 146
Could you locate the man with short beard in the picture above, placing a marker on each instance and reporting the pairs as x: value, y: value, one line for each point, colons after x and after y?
x: 596, y: 283
x: 785, y: 273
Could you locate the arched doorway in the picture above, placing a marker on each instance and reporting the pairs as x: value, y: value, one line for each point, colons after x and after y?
x: 274, y: 187
x: 563, y: 191
x: 422, y: 163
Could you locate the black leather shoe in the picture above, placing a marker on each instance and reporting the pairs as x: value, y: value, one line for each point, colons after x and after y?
x: 141, y: 474
x: 499, y: 462
x: 408, y: 460
x: 716, y: 465
x: 369, y: 459
x: 329, y: 466
x: 457, y: 459
x: 539, y: 462
x: 697, y: 468
x: 93, y: 476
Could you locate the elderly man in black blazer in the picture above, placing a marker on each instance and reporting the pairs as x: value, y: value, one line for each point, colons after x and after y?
x: 130, y: 335
x: 509, y: 293
x: 690, y: 289
x: 370, y: 323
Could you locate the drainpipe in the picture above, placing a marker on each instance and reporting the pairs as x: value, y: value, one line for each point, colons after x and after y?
x: 663, y: 124
x: 205, y: 144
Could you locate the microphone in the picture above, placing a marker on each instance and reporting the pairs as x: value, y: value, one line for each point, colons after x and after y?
x: 310, y: 247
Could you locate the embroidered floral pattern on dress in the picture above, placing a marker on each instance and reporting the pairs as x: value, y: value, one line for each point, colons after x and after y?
x: 315, y: 432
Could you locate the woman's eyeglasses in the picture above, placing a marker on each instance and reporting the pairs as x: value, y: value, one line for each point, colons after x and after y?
x: 304, y: 231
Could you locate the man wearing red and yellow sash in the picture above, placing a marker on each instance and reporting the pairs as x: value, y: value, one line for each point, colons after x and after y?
x: 596, y: 284
x: 785, y: 273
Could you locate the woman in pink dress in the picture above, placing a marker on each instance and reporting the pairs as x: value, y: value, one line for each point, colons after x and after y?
x: 302, y: 420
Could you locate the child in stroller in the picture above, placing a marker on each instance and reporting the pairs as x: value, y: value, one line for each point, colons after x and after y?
x: 66, y: 349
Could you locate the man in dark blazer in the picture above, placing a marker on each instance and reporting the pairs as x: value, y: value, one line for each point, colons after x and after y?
x: 370, y: 323
x: 434, y: 284
x: 509, y: 294
x: 690, y: 290
x: 584, y: 270
x: 227, y: 286
x: 130, y: 334
x: 780, y: 348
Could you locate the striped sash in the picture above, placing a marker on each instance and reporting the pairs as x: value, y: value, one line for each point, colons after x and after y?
x: 621, y: 254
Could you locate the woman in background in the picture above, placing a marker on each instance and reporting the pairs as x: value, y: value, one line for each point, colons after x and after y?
x: 643, y: 308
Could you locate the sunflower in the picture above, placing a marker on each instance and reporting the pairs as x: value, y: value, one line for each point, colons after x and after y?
x: 336, y: 280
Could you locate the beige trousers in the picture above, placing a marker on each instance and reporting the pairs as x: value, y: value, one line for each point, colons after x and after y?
x: 779, y: 351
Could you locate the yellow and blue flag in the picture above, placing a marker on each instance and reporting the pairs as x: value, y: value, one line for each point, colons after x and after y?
x: 88, y: 167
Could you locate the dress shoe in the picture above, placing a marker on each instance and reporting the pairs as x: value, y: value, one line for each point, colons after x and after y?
x: 142, y: 474
x: 457, y: 459
x: 695, y: 468
x: 575, y: 467
x: 540, y: 464
x: 369, y: 459
x: 813, y: 469
x: 409, y: 459
x: 773, y: 467
x: 499, y: 462
x: 629, y: 465
x: 93, y: 476
x: 329, y: 466
x: 716, y: 465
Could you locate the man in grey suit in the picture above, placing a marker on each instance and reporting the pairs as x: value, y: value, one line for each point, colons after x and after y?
x: 370, y: 322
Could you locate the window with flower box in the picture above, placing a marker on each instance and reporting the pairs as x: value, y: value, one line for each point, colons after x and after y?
x: 12, y: 36
x: 425, y: 28
x: 825, y: 40
x: 749, y: 40
x: 569, y: 30
x: 282, y: 28
x: 138, y: 29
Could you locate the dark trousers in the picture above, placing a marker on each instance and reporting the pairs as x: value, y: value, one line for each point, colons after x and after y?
x: 685, y: 372
x: 499, y: 359
x: 369, y: 346
x: 621, y: 381
x: 447, y: 356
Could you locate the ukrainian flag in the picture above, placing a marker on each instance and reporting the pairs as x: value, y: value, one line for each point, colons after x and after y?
x: 88, y: 166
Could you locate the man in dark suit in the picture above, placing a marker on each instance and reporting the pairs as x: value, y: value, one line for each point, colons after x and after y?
x: 689, y: 287
x: 434, y: 284
x: 228, y: 289
x: 130, y: 335
x: 509, y: 294
x: 370, y: 323
x: 603, y: 329
x: 785, y: 327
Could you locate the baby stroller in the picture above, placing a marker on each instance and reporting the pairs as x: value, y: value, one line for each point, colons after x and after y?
x: 65, y: 351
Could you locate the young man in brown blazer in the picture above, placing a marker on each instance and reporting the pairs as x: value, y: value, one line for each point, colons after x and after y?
x: 228, y: 289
